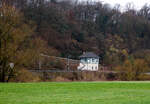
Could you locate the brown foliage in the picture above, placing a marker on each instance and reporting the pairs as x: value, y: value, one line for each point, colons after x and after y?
x: 13, y: 33
x: 25, y: 76
x: 61, y: 79
x: 132, y: 69
x: 77, y: 76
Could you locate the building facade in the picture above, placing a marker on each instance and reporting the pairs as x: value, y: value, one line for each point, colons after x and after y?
x: 89, y: 61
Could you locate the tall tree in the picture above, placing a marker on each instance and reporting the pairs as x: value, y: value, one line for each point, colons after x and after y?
x: 13, y: 32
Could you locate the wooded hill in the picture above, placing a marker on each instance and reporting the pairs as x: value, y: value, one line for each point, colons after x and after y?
x: 69, y: 28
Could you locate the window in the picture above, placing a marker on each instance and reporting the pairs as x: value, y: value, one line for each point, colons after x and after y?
x: 96, y: 67
x: 83, y: 60
x: 93, y: 60
x: 97, y: 61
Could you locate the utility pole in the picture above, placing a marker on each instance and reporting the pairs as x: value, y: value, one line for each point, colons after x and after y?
x: 40, y: 64
x: 68, y: 63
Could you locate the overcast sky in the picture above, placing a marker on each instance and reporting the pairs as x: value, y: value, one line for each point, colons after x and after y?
x: 137, y: 3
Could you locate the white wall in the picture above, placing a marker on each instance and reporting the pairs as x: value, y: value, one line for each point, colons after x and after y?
x: 90, y: 65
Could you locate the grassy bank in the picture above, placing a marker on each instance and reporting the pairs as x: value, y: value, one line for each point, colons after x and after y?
x: 75, y: 93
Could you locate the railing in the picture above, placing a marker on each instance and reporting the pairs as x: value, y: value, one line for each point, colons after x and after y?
x: 71, y: 71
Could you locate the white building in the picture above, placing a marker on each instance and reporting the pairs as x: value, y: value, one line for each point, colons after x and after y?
x: 89, y: 61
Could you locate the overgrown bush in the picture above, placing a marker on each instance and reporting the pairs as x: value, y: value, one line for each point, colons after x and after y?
x: 60, y: 79
x: 132, y: 69
x: 76, y: 76
x: 25, y: 76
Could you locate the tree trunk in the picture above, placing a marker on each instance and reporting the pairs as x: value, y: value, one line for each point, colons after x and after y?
x: 3, y: 72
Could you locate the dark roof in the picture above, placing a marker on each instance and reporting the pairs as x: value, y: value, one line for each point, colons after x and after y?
x: 89, y: 55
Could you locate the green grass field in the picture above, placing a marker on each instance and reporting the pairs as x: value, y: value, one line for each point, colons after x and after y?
x: 75, y: 93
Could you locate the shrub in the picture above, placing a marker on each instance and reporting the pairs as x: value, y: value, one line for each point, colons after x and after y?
x: 132, y: 69
x: 24, y: 75
x: 60, y: 79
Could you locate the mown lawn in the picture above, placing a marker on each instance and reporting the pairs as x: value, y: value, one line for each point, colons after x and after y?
x: 75, y: 93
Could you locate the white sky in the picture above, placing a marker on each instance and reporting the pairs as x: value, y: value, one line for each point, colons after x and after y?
x: 137, y: 3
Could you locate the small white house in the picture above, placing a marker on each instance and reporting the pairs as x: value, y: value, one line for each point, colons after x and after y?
x: 89, y: 61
